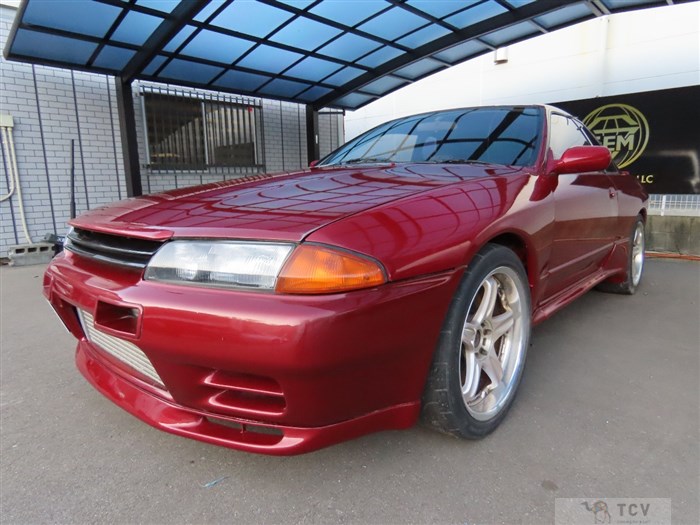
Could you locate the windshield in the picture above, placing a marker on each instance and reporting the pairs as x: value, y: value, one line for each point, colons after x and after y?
x: 508, y: 136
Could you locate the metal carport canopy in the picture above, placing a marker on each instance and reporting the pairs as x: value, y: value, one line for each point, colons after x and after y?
x: 323, y: 53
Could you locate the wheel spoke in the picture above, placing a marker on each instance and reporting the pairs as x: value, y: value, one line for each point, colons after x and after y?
x: 501, y: 324
x: 469, y: 336
x: 493, y: 368
x: 488, y: 301
x: 473, y: 375
x: 638, y: 237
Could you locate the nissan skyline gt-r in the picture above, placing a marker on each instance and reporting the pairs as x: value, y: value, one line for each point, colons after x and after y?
x: 396, y: 279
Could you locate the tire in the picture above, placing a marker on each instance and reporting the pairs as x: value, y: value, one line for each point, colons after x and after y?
x: 635, y: 263
x: 475, y: 371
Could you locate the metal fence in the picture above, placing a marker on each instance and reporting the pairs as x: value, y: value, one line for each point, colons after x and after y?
x: 688, y: 205
x: 189, y: 131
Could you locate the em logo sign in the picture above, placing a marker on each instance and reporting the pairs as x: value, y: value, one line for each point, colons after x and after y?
x: 622, y: 129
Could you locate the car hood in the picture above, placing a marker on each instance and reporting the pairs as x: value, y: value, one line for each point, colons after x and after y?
x: 283, y: 206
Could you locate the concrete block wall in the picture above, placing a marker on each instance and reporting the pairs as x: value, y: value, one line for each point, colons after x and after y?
x: 51, y: 106
x: 674, y: 234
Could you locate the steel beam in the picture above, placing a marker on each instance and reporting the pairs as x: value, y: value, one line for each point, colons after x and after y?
x: 127, y: 130
x: 313, y: 151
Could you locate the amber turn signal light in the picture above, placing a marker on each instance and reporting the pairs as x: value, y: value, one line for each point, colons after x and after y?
x: 318, y: 270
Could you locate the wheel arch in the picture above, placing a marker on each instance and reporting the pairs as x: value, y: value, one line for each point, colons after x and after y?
x: 521, y: 246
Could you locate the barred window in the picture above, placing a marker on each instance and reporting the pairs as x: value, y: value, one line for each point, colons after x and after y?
x: 186, y: 133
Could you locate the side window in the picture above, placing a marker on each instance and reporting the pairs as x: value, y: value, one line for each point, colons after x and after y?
x: 564, y: 133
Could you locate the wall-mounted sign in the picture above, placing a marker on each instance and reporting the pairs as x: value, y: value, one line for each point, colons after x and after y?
x: 654, y: 135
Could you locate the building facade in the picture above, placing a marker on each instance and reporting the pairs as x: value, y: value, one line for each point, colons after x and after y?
x: 185, y: 137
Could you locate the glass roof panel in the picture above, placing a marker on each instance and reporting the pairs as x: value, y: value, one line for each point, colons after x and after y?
x: 178, y: 39
x: 283, y: 88
x: 52, y: 47
x: 393, y: 23
x: 241, y: 80
x: 217, y: 47
x: 269, y: 59
x: 305, y: 34
x: 92, y: 18
x: 208, y: 10
x: 440, y: 8
x: 519, y: 3
x: 299, y: 4
x: 461, y: 51
x: 154, y: 65
x: 115, y: 58
x: 349, y: 13
x: 313, y: 69
x: 380, y: 56
x: 420, y: 68
x: 477, y: 13
x: 136, y: 28
x: 344, y: 75
x: 511, y: 33
x: 564, y: 15
x: 384, y: 84
x: 349, y: 47
x: 314, y: 93
x: 423, y: 36
x: 189, y: 71
x: 616, y: 4
x: 252, y: 18
x: 166, y: 6
x: 192, y: 54
x: 354, y: 100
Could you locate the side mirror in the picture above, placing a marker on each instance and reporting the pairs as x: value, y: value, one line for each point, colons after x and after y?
x: 583, y: 159
x: 313, y: 163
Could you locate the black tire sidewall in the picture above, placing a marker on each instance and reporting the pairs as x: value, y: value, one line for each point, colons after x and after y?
x: 456, y: 415
x: 631, y: 288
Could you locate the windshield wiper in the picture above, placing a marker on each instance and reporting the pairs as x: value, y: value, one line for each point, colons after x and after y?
x: 461, y: 161
x: 365, y: 160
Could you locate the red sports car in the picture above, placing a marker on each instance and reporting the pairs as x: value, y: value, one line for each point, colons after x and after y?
x: 398, y: 277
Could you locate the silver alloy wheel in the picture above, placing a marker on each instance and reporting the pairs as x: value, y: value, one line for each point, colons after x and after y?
x: 637, y: 253
x: 494, y: 336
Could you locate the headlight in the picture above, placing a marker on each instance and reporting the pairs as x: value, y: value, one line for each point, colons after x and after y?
x: 219, y: 263
x: 310, y: 269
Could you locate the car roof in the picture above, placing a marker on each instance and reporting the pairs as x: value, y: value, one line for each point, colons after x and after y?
x: 548, y: 108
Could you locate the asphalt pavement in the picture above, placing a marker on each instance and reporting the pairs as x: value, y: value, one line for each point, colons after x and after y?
x: 609, y: 408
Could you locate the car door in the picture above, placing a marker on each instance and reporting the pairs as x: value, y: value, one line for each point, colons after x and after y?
x: 585, y: 212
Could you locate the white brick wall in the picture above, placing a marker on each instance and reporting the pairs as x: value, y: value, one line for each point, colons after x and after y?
x: 82, y: 106
x: 50, y: 107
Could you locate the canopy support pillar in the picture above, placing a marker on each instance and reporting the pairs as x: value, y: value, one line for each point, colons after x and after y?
x: 313, y: 150
x: 127, y: 130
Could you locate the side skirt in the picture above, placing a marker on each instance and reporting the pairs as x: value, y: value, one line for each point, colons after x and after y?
x: 563, y: 298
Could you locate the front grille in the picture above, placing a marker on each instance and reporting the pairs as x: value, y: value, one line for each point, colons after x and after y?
x: 126, y: 352
x: 113, y: 249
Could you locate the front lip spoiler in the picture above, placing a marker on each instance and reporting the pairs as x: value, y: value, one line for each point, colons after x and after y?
x: 170, y: 417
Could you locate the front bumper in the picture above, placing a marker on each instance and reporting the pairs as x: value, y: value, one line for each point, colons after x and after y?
x: 255, y: 371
